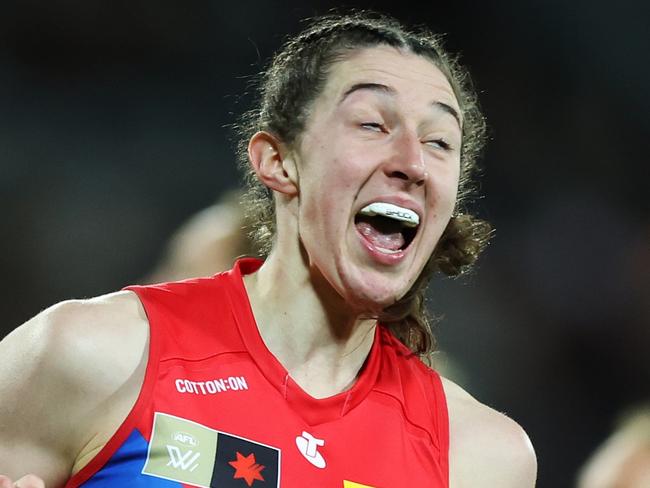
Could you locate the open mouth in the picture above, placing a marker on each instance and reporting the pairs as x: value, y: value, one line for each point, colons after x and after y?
x: 387, y: 227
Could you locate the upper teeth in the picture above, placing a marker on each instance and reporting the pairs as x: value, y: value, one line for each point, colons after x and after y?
x: 409, y: 217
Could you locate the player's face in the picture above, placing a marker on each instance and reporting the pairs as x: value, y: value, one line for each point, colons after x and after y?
x: 378, y: 164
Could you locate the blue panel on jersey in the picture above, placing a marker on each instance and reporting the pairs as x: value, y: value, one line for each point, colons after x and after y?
x: 124, y: 468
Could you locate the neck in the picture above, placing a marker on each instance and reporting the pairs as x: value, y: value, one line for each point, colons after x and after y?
x: 307, y: 326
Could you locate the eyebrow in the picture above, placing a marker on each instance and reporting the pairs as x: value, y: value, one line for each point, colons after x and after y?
x: 387, y: 90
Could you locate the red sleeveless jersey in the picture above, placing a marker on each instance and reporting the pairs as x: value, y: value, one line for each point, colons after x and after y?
x: 218, y: 410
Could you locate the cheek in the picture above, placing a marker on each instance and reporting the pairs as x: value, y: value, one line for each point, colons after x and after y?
x: 452, y: 192
x: 450, y: 182
x: 333, y: 175
x: 325, y: 201
x: 443, y: 189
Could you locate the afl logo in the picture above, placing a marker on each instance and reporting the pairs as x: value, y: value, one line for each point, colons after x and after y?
x: 185, y: 439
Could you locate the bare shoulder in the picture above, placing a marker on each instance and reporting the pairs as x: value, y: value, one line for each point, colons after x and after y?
x: 67, y: 376
x: 487, y: 448
x: 78, y: 339
x: 111, y: 327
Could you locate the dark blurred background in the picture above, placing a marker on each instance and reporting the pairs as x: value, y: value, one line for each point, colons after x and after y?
x: 113, y: 130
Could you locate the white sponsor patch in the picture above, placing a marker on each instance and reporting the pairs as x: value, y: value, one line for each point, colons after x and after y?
x: 211, y: 387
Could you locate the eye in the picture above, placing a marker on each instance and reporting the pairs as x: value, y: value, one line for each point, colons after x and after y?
x: 375, y: 126
x: 439, y: 144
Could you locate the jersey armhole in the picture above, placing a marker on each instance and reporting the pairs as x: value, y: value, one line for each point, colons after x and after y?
x: 131, y: 420
x: 442, y: 423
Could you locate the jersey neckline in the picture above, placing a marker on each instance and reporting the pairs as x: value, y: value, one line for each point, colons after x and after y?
x: 313, y: 410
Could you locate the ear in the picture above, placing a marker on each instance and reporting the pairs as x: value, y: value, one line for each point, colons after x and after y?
x: 267, y: 155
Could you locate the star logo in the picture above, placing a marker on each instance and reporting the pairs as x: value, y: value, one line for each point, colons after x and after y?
x: 247, y: 468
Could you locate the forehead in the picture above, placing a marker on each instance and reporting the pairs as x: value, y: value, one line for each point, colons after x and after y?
x: 409, y: 75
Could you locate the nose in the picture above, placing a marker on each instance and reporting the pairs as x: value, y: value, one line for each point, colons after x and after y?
x: 406, y: 162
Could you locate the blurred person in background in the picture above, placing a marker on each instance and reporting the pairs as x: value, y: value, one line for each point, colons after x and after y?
x: 361, y: 158
x: 207, y: 243
x: 623, y: 460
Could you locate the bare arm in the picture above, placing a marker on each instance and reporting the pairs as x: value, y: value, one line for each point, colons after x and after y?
x: 68, y: 377
x: 487, y: 449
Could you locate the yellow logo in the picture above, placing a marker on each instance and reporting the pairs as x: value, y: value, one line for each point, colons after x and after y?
x: 352, y: 484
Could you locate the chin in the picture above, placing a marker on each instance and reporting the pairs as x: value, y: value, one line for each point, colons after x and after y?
x: 372, y: 296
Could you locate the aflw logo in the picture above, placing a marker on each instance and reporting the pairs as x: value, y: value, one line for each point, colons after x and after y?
x: 185, y: 461
x: 185, y: 451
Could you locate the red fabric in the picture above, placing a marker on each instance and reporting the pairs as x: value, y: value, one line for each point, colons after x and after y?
x: 389, y: 430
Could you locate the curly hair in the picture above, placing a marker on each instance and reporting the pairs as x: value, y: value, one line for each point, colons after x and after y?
x: 287, y: 89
